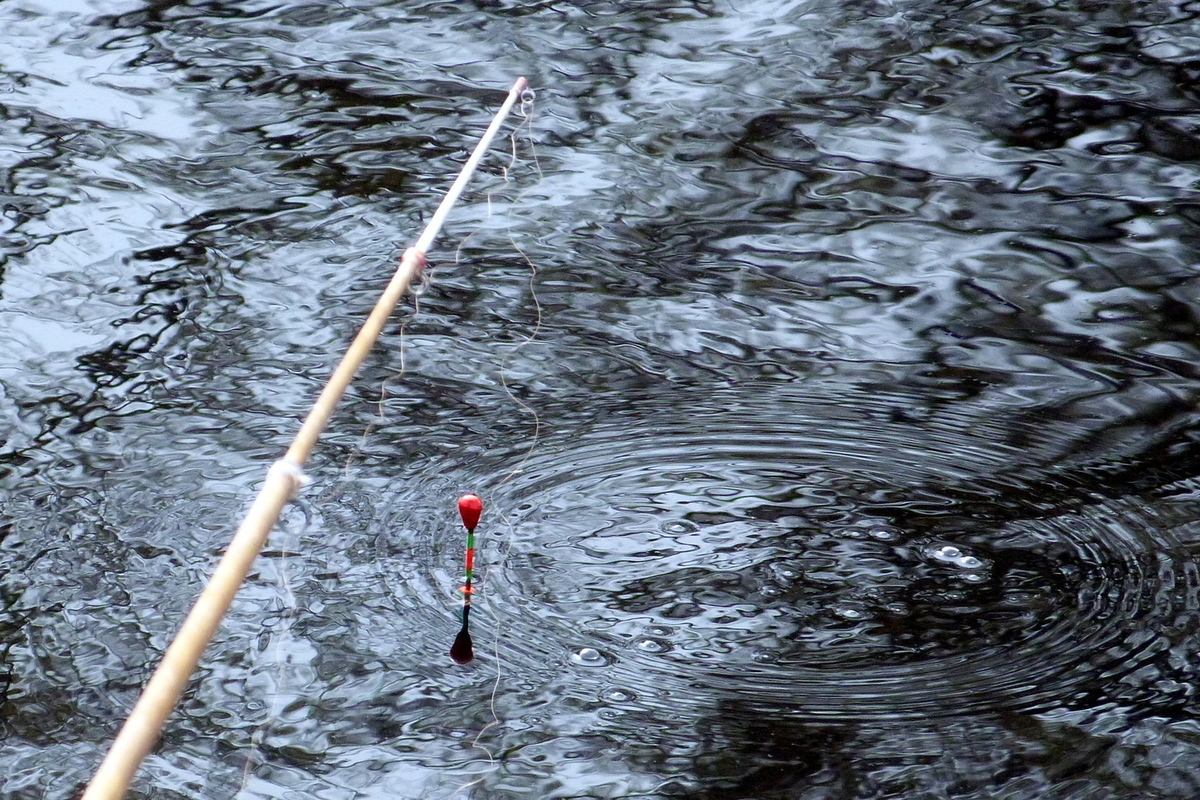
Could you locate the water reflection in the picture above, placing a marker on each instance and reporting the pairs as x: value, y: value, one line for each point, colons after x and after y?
x: 865, y: 373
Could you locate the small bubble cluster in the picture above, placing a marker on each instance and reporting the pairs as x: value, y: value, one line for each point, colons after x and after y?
x: 874, y: 531
x: 949, y: 554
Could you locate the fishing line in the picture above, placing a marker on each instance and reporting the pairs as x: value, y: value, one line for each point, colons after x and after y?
x: 521, y: 133
x: 506, y: 523
x: 280, y: 658
x: 425, y: 280
x: 426, y: 277
x: 284, y: 479
x: 471, y: 518
x: 417, y: 290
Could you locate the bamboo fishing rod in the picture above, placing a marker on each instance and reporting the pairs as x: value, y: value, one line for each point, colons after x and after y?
x: 141, y: 730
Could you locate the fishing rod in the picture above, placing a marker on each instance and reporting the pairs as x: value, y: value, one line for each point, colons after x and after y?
x: 469, y: 508
x: 285, y: 477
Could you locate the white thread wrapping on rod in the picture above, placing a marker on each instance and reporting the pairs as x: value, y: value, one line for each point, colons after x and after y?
x: 291, y: 470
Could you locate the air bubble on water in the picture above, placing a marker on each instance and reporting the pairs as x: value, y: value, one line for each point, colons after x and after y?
x: 950, y: 554
x: 589, y: 657
x: 973, y: 577
x: 883, y: 534
x: 679, y: 526
x: 618, y: 696
x: 653, y: 645
x: 850, y: 612
x: 946, y: 552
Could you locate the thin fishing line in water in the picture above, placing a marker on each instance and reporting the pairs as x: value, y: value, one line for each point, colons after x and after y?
x: 462, y: 645
x: 495, y: 613
x: 525, y: 110
x: 281, y: 640
x: 427, y: 279
x: 424, y: 281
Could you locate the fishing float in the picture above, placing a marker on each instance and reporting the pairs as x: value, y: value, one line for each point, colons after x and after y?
x: 470, y: 507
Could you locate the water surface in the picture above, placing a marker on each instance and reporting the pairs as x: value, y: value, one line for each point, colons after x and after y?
x: 827, y: 369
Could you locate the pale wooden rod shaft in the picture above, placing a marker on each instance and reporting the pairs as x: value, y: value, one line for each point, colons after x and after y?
x: 141, y: 730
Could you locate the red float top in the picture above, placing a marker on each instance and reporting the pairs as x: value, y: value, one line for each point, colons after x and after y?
x: 470, y: 507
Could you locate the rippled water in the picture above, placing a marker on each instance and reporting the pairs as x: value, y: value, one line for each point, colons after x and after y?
x: 828, y: 370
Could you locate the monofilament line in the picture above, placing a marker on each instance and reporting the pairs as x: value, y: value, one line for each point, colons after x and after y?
x: 141, y: 730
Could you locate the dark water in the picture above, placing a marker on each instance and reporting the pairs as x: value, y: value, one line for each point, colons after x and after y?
x: 863, y: 363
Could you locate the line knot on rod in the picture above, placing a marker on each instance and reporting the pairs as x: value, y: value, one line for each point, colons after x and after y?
x: 289, y: 469
x: 416, y: 255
